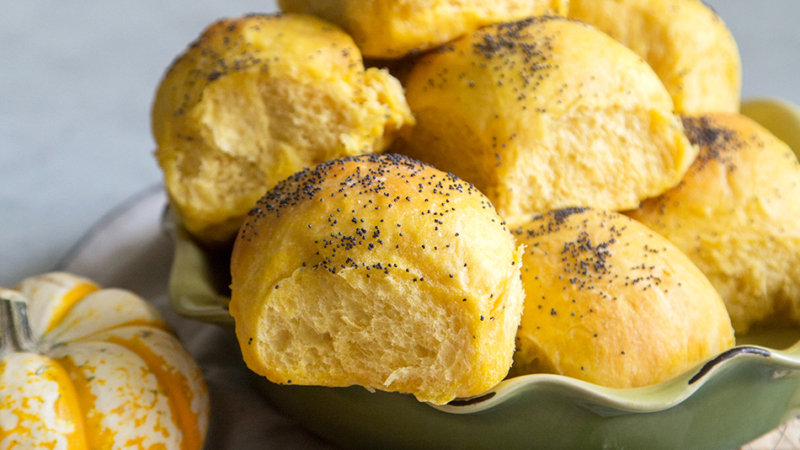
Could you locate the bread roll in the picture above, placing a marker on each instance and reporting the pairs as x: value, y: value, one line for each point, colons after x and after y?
x: 736, y: 214
x: 685, y: 42
x: 546, y: 113
x: 610, y: 302
x: 392, y: 29
x: 377, y: 271
x: 256, y: 99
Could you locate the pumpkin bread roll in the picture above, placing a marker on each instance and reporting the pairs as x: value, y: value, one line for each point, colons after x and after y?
x: 686, y: 43
x: 256, y: 99
x: 736, y: 214
x: 546, y: 113
x: 377, y: 271
x: 610, y: 302
x: 392, y: 29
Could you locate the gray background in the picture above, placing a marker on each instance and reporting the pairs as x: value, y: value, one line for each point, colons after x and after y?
x: 77, y: 79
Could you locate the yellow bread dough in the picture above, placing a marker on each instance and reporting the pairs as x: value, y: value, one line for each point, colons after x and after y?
x: 686, y: 43
x: 256, y: 99
x: 737, y: 216
x: 377, y: 271
x: 610, y: 302
x: 546, y: 113
x: 392, y: 28
x: 399, y: 68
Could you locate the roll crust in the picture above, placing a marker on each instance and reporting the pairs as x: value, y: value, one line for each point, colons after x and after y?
x: 378, y: 271
x: 546, y: 113
x: 684, y: 41
x: 392, y: 29
x: 736, y: 215
x: 254, y: 100
x: 610, y: 302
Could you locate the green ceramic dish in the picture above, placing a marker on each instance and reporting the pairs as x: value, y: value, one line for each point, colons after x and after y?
x: 724, y: 403
x: 780, y: 117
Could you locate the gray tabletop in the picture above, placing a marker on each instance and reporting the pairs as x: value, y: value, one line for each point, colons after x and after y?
x: 77, y: 80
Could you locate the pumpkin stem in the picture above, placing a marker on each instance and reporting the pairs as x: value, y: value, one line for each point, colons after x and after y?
x: 16, y: 333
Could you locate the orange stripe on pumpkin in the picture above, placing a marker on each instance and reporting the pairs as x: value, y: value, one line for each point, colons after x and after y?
x: 68, y: 406
x: 157, y: 324
x: 66, y: 409
x: 177, y: 389
x: 69, y: 300
x: 97, y: 436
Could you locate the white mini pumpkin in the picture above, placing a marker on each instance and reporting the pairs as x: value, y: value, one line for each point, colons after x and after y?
x: 89, y: 368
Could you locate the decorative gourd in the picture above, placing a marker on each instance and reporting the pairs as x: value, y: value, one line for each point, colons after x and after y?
x: 85, y: 368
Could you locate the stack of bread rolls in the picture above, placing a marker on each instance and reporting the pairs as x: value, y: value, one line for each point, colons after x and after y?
x: 488, y: 239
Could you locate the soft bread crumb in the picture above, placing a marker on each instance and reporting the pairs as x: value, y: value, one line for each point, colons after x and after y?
x: 254, y: 100
x: 378, y: 271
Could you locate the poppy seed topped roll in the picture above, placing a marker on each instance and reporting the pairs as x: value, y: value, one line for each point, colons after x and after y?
x: 610, y: 302
x: 377, y: 271
x: 736, y: 214
x: 546, y: 113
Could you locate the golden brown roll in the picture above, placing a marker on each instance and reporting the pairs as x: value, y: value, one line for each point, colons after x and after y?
x: 377, y: 271
x: 391, y: 29
x: 546, y: 113
x: 610, y: 302
x: 256, y: 99
x: 685, y: 42
x: 737, y: 216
